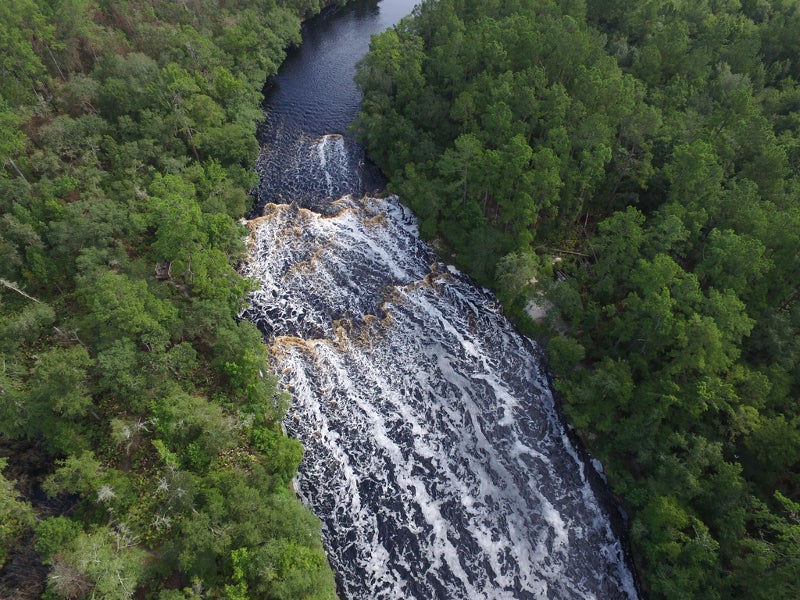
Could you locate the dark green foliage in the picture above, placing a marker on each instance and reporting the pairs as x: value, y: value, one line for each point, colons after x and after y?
x: 126, y: 145
x: 515, y: 145
x: 648, y: 152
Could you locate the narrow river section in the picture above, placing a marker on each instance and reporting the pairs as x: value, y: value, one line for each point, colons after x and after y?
x: 434, y: 455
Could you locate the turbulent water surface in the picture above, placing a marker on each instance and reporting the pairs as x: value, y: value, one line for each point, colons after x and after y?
x: 434, y: 455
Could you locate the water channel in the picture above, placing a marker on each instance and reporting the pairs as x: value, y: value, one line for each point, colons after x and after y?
x: 435, y: 457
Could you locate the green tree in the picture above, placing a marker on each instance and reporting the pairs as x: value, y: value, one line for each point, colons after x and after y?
x: 105, y: 563
x: 120, y: 306
x: 58, y: 398
x: 24, y: 33
x: 15, y: 515
x: 13, y: 140
x: 678, y: 545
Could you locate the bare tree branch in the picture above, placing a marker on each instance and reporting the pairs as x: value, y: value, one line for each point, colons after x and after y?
x: 13, y: 286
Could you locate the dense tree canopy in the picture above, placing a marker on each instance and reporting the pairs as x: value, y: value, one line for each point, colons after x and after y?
x: 126, y: 145
x: 632, y: 167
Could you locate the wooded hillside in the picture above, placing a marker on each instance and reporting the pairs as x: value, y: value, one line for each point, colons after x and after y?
x: 633, y: 168
x: 141, y: 427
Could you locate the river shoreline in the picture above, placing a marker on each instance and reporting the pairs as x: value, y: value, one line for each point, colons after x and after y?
x: 320, y: 402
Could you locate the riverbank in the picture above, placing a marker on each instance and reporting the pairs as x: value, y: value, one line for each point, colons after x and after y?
x: 128, y: 143
x: 332, y: 306
x: 678, y: 286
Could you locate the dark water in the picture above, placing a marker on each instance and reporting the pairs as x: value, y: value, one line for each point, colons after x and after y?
x: 314, y: 94
x: 435, y: 457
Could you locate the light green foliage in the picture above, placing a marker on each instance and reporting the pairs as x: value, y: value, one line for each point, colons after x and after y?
x: 59, y: 381
x: 22, y: 27
x: 127, y: 84
x: 679, y: 545
x: 610, y: 384
x: 121, y: 307
x: 564, y: 353
x: 58, y: 398
x: 196, y: 429
x: 282, y: 454
x: 26, y: 327
x: 287, y: 570
x: 234, y: 513
x: 55, y: 534
x: 517, y: 272
x: 106, y: 561
x: 76, y: 474
x: 13, y: 140
x: 15, y: 515
x: 120, y: 373
x: 13, y: 414
x: 242, y: 358
x: 521, y: 278
x: 197, y: 247
x: 177, y: 218
x: 232, y: 144
x: 74, y: 140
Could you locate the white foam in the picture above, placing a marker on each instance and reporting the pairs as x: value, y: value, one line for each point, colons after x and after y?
x: 434, y: 456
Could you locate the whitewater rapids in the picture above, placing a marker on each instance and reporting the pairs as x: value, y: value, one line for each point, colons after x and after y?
x: 434, y: 455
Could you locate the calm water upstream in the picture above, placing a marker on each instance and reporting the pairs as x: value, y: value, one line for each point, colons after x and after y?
x: 434, y: 455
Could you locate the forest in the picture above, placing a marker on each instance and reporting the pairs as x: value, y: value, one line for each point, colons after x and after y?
x: 141, y: 453
x: 629, y: 173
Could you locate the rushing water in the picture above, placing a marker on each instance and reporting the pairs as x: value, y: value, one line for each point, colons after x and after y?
x: 434, y: 455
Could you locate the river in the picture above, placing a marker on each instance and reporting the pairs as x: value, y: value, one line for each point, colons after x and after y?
x: 434, y: 455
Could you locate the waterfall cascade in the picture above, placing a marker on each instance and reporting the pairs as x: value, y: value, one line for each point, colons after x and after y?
x: 434, y: 455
